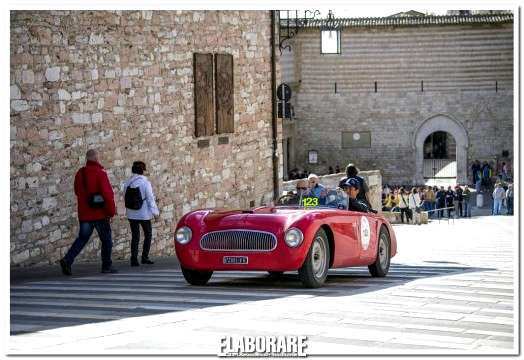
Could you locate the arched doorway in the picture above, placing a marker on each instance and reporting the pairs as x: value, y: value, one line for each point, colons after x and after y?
x: 440, y: 162
x: 440, y: 145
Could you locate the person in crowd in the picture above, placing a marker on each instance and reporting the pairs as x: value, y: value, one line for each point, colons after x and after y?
x: 429, y: 201
x: 478, y: 181
x: 404, y: 206
x: 363, y: 194
x: 504, y: 174
x: 140, y: 209
x: 422, y: 194
x: 475, y: 169
x: 330, y: 170
x: 293, y: 174
x: 441, y: 202
x: 352, y: 187
x: 486, y: 176
x: 316, y: 189
x: 96, y: 207
x: 415, y: 205
x: 337, y: 169
x: 395, y: 200
x: 466, y: 194
x: 507, y: 171
x: 460, y: 200
x: 498, y: 197
x: 388, y: 202
x: 509, y: 199
x: 386, y: 190
x: 450, y: 196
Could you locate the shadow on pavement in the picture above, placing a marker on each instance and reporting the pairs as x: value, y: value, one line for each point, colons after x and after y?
x: 59, y: 301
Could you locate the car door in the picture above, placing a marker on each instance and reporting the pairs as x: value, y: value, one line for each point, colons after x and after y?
x: 367, y: 235
x: 345, y: 226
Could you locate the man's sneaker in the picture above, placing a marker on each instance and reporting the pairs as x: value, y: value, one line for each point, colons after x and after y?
x: 134, y: 262
x: 111, y: 270
x: 147, y: 261
x: 66, y: 268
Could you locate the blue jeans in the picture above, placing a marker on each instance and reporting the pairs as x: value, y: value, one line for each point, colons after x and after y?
x: 428, y: 207
x: 497, y: 206
x: 467, y: 209
x: 103, y: 228
x: 509, y: 201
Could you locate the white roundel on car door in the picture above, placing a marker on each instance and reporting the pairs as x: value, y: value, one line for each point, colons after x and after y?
x: 365, y: 232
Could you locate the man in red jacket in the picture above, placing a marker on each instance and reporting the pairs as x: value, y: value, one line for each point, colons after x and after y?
x: 96, y: 207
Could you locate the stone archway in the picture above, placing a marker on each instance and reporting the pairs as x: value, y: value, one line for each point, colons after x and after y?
x: 451, y: 126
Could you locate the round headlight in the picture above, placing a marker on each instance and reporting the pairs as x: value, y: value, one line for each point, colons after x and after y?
x: 183, y: 235
x: 293, y: 237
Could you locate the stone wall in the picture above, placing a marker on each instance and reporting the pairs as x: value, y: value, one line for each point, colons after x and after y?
x: 467, y: 75
x: 122, y: 82
x: 373, y: 178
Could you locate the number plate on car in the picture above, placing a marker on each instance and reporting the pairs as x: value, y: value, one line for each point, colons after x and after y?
x: 235, y: 259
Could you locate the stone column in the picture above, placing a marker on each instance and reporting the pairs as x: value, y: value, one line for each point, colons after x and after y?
x: 462, y: 164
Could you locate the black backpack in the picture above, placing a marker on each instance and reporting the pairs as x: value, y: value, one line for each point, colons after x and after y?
x: 133, y: 198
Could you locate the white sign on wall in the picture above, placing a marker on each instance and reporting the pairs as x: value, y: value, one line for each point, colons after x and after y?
x: 313, y: 157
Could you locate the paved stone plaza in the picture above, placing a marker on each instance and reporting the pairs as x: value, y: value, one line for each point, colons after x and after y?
x: 450, y: 290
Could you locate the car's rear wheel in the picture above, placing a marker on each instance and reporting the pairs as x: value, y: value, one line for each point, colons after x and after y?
x: 313, y: 272
x: 196, y: 277
x: 380, y: 267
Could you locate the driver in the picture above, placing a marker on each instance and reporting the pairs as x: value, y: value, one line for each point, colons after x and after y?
x: 352, y: 186
x: 302, y: 191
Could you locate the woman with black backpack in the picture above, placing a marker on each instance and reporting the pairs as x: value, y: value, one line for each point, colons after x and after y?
x: 140, y: 209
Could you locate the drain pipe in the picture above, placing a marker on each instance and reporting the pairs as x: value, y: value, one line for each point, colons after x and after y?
x: 276, y: 190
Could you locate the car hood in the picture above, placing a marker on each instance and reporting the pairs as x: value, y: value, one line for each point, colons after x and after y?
x: 263, y: 218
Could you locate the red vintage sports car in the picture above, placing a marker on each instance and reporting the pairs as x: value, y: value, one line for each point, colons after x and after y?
x: 310, y: 239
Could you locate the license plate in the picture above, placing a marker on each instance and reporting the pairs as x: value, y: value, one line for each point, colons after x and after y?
x: 235, y: 259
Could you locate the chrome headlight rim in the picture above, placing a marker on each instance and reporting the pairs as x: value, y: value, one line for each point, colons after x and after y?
x: 183, y: 235
x: 293, y: 237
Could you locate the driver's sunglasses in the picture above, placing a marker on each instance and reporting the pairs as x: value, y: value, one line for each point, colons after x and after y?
x: 301, y: 188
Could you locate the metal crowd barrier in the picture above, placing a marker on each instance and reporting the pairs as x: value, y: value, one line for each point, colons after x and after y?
x: 434, y: 210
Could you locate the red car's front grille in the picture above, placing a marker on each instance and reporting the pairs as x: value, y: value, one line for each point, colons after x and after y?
x: 238, y: 240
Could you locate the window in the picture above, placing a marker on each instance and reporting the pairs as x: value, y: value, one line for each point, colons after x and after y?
x: 353, y: 139
x: 213, y: 93
x: 330, y: 41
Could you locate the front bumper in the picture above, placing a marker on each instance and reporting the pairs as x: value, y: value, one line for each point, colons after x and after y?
x: 282, y: 258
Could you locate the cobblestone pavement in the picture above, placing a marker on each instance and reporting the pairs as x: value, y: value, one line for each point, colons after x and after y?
x: 450, y: 290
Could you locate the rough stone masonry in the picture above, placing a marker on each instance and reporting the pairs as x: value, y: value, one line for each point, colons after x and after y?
x: 122, y: 82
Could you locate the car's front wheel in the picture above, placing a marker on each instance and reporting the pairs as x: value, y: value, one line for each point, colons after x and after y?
x: 196, y: 277
x: 313, y: 272
x: 380, y: 267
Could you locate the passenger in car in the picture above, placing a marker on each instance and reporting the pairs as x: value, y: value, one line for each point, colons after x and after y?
x: 352, y: 187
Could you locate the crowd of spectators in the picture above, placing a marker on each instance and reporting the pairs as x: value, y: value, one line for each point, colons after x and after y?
x: 493, y: 180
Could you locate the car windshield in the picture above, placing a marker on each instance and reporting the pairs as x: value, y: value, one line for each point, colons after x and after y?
x: 334, y: 199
